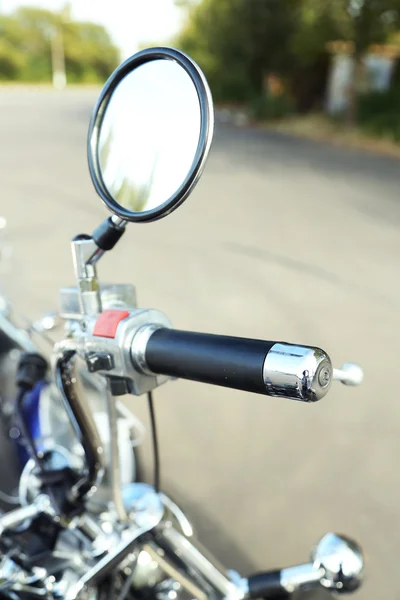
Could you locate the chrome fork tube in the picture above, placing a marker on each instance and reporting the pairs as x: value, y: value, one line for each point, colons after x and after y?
x: 182, y: 551
x: 114, y: 466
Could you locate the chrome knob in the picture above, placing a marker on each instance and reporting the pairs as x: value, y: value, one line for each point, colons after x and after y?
x: 47, y: 322
x: 297, y: 372
x: 341, y: 561
x: 349, y: 374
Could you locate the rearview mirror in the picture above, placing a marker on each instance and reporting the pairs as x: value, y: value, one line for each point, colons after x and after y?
x: 150, y: 134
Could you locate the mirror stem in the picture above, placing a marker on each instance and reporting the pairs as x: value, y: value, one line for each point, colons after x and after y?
x: 114, y: 472
x: 86, y: 252
x: 118, y: 222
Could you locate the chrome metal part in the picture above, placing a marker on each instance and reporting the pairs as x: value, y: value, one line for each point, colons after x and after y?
x: 99, y: 531
x: 349, y: 374
x: 58, y: 587
x: 157, y: 566
x: 336, y: 564
x: 11, y: 574
x: 47, y: 322
x: 122, y: 296
x: 114, y: 462
x: 118, y: 222
x: 169, y: 589
x: 143, y: 522
x: 341, y: 561
x: 240, y: 582
x: 178, y: 550
x: 143, y: 503
x: 29, y: 589
x: 300, y: 577
x: 120, y: 348
x: 30, y: 483
x: 85, y: 254
x: 139, y: 345
x: 14, y: 518
x: 88, y: 526
x: 148, y: 572
x: 118, y: 296
x: 178, y: 514
x: 297, y: 372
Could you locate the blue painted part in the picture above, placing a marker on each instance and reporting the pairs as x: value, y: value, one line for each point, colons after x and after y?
x: 32, y: 418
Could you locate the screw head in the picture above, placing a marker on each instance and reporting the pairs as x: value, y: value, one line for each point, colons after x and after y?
x: 324, y: 376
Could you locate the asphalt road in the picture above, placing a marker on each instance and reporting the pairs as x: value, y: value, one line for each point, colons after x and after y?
x: 282, y: 239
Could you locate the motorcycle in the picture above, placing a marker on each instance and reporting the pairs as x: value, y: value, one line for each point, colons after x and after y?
x: 86, y: 527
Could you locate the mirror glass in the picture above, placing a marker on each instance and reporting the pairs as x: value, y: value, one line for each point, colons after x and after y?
x: 149, y: 135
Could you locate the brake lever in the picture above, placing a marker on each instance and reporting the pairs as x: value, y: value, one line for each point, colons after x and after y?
x: 66, y: 376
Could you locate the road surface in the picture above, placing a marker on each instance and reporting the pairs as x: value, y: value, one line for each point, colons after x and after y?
x: 282, y: 239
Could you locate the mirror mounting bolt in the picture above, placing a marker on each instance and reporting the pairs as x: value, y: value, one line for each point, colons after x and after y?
x: 87, y: 251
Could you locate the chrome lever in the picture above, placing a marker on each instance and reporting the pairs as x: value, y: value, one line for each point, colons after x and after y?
x: 13, y: 519
x: 349, y: 374
x: 340, y: 562
x: 337, y: 564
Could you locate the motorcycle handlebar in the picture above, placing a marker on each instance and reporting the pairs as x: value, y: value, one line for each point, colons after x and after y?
x: 272, y: 368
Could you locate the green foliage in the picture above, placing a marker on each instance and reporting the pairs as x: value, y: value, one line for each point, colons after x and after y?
x: 11, y: 63
x: 25, y: 47
x: 371, y: 21
x: 378, y: 113
x: 271, y: 108
x: 362, y: 22
x: 89, y: 54
x: 239, y: 42
x: 316, y: 24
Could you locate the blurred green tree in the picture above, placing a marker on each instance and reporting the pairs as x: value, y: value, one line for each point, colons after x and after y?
x: 25, y: 47
x: 371, y: 22
x: 238, y: 42
x: 363, y: 23
x: 90, y: 55
x: 12, y: 59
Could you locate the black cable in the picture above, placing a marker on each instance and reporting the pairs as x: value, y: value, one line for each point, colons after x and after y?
x: 154, y: 442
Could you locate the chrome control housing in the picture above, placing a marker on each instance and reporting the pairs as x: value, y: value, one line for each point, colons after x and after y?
x: 118, y: 349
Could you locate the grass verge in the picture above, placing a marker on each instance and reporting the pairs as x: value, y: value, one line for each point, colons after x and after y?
x: 323, y: 129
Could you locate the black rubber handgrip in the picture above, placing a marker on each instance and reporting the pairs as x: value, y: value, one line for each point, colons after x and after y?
x: 216, y: 359
x: 266, y: 585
